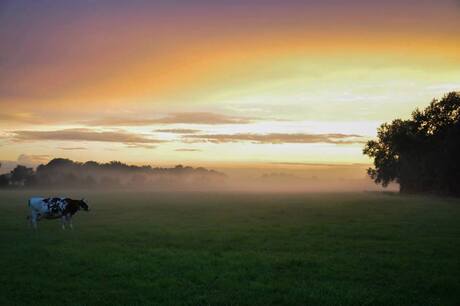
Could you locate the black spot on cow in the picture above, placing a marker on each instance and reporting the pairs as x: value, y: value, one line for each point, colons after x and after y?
x: 54, y: 207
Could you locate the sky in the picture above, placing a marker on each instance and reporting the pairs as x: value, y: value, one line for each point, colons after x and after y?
x: 224, y: 83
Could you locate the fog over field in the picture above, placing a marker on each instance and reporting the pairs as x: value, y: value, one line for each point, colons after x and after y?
x: 301, y: 178
x: 270, y: 177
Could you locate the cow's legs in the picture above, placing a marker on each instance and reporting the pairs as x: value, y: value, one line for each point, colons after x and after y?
x: 69, y: 221
x: 63, y: 221
x: 33, y: 219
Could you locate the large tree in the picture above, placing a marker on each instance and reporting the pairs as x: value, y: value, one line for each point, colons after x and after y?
x: 422, y: 154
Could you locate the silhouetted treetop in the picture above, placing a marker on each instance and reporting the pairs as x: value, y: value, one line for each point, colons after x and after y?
x: 422, y: 154
x: 61, y: 172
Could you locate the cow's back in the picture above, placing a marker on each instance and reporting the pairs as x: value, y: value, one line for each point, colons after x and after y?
x: 36, y: 203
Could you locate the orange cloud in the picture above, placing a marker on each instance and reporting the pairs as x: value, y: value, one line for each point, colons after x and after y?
x: 174, y: 118
x: 15, y: 117
x: 278, y: 138
x: 72, y: 148
x: 85, y: 135
x: 178, y: 131
x: 187, y: 150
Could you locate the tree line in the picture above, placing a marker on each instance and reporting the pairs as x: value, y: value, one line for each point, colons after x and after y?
x: 422, y: 153
x: 66, y: 173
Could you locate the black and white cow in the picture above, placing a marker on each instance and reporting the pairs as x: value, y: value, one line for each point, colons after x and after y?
x: 53, y: 208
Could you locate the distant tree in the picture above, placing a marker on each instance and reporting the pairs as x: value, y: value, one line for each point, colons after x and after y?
x: 22, y: 175
x: 61, y: 163
x: 65, y: 173
x: 91, y: 164
x: 422, y: 154
x: 4, y: 180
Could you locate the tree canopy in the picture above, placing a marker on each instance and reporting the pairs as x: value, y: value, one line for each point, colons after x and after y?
x: 65, y: 173
x: 422, y: 153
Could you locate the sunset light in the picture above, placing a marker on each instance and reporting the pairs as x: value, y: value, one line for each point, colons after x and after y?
x: 101, y: 76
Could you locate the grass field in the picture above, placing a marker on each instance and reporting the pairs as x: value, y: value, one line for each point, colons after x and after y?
x: 234, y: 249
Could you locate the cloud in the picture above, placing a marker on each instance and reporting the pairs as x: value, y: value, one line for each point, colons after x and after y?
x: 277, y: 138
x: 187, y: 150
x: 85, y: 135
x: 75, y: 118
x: 173, y: 118
x: 203, y: 118
x: 141, y: 145
x: 43, y: 116
x: 25, y: 159
x: 119, y: 121
x: 28, y: 118
x: 72, y: 148
x: 178, y: 131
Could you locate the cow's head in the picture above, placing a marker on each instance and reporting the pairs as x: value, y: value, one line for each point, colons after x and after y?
x: 84, y: 205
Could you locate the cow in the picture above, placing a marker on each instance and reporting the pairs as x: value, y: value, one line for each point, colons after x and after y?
x: 53, y: 208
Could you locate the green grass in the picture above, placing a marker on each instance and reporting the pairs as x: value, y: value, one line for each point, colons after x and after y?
x: 234, y: 249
